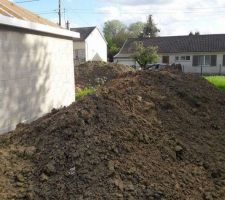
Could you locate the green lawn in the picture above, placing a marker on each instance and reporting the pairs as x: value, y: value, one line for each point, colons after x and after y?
x: 218, y: 81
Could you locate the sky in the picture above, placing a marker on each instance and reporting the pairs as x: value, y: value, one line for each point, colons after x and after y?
x: 173, y: 17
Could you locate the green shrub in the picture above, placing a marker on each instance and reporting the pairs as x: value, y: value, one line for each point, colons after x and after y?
x: 84, y: 92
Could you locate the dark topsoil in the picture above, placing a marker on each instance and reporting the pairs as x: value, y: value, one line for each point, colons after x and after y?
x: 97, y: 73
x: 145, y: 135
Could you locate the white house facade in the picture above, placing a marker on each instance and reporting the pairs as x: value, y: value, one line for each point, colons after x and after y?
x: 196, y: 54
x: 36, y: 67
x: 91, y: 46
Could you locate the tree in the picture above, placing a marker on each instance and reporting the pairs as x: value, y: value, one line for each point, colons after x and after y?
x: 115, y: 33
x: 150, y: 29
x: 136, y: 29
x: 113, y: 27
x: 144, y: 55
x: 196, y: 33
x: 113, y: 49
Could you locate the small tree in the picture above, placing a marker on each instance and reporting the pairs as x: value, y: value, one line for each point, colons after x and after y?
x: 144, y: 55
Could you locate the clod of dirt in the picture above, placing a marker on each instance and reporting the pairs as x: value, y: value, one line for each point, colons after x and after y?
x: 145, y: 135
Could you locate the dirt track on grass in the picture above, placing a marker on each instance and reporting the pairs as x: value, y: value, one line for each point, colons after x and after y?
x: 145, y: 135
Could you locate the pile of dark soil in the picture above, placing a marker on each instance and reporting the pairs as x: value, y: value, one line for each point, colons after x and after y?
x: 146, y: 135
x: 97, y: 73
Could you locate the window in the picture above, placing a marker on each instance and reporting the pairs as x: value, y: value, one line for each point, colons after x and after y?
x: 188, y: 57
x: 206, y: 60
x: 183, y: 58
x: 195, y: 61
x: 213, y: 60
x: 201, y: 60
x: 223, y: 60
x: 166, y: 59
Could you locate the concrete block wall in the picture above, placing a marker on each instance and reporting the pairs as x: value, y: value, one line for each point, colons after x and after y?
x: 36, y: 75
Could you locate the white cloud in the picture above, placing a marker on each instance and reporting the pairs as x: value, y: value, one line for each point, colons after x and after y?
x: 172, y: 17
x: 139, y: 2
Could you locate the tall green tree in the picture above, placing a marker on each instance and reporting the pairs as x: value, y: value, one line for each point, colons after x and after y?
x: 144, y: 55
x: 116, y: 34
x: 150, y: 29
x: 113, y: 27
x: 136, y: 29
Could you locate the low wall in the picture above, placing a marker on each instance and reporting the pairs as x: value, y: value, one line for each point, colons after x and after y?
x: 204, y: 70
x: 36, y: 75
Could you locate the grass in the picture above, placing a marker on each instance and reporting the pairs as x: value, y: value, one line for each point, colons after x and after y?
x: 84, y: 92
x: 218, y: 81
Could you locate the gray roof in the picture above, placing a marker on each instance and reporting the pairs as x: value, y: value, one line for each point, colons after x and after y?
x: 178, y: 44
x: 84, y: 32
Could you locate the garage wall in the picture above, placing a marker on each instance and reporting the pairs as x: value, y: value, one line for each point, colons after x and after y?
x: 36, y: 75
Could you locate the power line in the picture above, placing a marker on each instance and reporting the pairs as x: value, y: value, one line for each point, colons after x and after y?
x: 143, y: 11
x: 137, y: 13
x: 204, y: 8
x: 202, y: 11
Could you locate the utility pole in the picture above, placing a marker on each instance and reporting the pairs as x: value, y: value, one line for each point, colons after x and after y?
x: 60, y: 17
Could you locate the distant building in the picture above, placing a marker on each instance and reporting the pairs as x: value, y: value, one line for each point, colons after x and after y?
x: 91, y: 46
x: 36, y: 66
x: 196, y: 53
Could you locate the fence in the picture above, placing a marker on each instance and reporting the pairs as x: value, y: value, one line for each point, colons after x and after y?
x: 204, y: 70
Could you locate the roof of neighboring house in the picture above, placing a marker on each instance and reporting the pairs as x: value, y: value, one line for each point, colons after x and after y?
x: 84, y: 32
x: 178, y: 44
x: 9, y: 9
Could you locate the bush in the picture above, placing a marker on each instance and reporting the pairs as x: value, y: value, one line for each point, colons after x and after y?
x: 84, y: 92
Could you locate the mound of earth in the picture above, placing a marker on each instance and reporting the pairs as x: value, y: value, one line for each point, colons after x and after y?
x: 145, y: 135
x: 97, y: 73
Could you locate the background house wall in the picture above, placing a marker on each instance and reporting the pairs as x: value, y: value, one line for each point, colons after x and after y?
x: 36, y: 75
x: 125, y: 61
x: 186, y: 65
x: 96, y: 47
x: 79, y: 52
